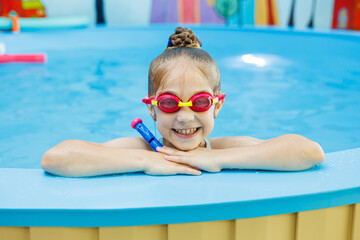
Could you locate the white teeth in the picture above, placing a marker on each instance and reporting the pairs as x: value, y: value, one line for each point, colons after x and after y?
x: 186, y: 131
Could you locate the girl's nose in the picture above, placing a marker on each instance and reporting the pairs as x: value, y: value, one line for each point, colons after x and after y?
x: 185, y: 114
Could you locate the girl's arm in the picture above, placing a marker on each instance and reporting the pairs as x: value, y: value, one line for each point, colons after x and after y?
x: 233, y: 142
x: 76, y: 158
x: 288, y: 152
x: 285, y: 153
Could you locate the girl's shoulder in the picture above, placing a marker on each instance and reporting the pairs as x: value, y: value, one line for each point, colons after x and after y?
x: 128, y: 143
x: 232, y: 142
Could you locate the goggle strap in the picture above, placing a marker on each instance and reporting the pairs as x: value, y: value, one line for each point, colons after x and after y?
x: 146, y: 101
x: 150, y: 101
x: 217, y: 99
x: 221, y: 97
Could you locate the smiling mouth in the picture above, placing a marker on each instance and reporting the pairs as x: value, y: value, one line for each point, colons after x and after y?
x: 188, y: 131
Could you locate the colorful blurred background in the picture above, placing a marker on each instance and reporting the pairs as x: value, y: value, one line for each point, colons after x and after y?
x: 319, y: 14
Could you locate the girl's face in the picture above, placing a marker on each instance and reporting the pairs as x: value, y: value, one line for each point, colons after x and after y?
x: 185, y: 129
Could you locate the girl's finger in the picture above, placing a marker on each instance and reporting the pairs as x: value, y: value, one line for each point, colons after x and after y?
x: 180, y: 159
x: 177, y: 159
x: 161, y: 149
x: 168, y: 150
x: 189, y: 171
x: 182, y: 164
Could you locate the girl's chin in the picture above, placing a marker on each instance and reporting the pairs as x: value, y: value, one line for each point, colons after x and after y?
x: 186, y: 148
x: 185, y: 145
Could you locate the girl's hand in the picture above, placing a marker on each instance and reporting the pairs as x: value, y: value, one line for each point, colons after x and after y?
x: 199, y: 158
x: 155, y: 164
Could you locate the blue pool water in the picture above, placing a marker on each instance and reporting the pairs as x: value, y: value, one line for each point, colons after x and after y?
x: 276, y: 82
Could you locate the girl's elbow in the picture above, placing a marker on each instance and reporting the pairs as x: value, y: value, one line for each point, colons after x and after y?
x: 318, y: 153
x: 314, y: 153
x: 309, y: 152
x: 54, y: 160
x: 50, y: 161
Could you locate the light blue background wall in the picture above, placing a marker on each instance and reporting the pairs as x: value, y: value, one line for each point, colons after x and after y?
x: 57, y: 8
x: 138, y: 12
x: 116, y: 11
x: 128, y: 12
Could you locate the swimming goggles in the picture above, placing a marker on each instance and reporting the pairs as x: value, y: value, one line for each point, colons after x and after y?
x: 170, y: 103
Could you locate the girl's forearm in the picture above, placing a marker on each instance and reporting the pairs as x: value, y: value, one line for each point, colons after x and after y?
x: 76, y: 158
x: 285, y: 153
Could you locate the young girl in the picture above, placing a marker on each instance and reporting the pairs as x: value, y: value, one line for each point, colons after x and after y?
x: 184, y: 98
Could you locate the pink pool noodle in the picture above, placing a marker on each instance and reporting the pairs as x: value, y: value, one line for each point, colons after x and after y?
x: 23, y: 58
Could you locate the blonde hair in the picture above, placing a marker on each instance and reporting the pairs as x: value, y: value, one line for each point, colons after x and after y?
x: 183, y: 44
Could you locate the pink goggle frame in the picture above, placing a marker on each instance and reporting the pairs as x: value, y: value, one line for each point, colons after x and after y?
x: 170, y: 103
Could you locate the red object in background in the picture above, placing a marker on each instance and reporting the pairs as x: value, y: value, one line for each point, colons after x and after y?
x: 271, y: 21
x: 6, y: 6
x: 34, y: 13
x: 356, y: 15
x: 30, y: 8
x: 189, y: 11
x: 33, y: 8
x: 343, y: 13
x: 23, y: 58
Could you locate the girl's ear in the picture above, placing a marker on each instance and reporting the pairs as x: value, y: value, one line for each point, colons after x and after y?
x: 152, y: 111
x: 218, y: 107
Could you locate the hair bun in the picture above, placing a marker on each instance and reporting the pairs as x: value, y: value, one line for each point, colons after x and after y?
x: 183, y: 37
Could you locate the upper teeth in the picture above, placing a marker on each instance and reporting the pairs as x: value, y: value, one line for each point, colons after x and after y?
x: 186, y: 131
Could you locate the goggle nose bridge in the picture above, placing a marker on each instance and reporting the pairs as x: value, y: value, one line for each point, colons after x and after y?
x: 187, y: 104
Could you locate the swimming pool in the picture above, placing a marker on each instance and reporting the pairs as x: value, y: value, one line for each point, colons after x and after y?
x: 276, y: 82
x: 92, y: 85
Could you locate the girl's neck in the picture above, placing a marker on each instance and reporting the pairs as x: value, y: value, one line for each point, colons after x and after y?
x: 169, y: 144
